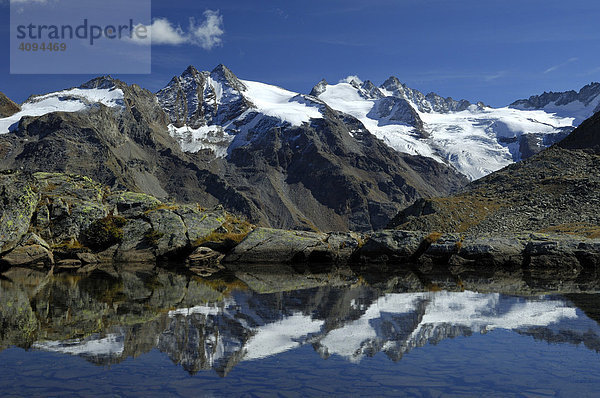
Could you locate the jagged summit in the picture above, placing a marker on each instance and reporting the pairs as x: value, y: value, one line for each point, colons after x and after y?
x: 197, y: 99
x: 190, y: 70
x: 430, y: 103
x: 585, y: 95
x: 577, y: 104
x: 102, y: 82
x: 319, y: 88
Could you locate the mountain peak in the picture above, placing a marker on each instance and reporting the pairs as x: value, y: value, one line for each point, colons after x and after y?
x: 190, y: 71
x: 392, y: 82
x: 370, y: 90
x: 103, y: 82
x: 221, y: 69
x: 319, y: 88
x: 224, y: 74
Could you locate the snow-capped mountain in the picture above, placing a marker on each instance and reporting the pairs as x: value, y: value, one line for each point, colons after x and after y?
x: 98, y: 91
x: 285, y: 143
x: 474, y: 138
x: 347, y: 156
x: 211, y: 110
x: 216, y: 110
x: 273, y: 155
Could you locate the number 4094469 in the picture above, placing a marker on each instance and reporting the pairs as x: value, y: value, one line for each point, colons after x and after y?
x: 43, y: 47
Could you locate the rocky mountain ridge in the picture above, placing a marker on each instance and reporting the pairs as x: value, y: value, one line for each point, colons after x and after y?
x: 587, y: 99
x: 278, y: 170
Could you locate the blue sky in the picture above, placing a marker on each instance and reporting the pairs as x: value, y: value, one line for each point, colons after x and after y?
x: 490, y: 51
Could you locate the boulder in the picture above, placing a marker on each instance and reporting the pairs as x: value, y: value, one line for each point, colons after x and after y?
x: 137, y: 245
x: 205, y: 261
x: 19, y: 200
x: 68, y: 264
x: 87, y: 258
x: 267, y: 245
x: 31, y: 250
x: 132, y: 204
x: 495, y: 252
x: 391, y: 245
x: 200, y: 224
x: 341, y: 245
x: 69, y: 205
x: 204, y: 256
x: 171, y: 233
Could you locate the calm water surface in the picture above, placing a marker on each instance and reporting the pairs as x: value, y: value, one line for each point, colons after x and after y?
x: 155, y: 333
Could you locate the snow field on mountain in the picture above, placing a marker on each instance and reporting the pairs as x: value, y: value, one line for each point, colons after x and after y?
x: 345, y: 98
x: 576, y: 109
x: 476, y: 141
x: 72, y: 100
x: 471, y: 140
x: 205, y: 137
x: 277, y: 102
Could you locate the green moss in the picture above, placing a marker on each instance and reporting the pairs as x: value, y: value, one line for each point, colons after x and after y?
x: 152, y: 236
x: 104, y: 233
x: 232, y: 231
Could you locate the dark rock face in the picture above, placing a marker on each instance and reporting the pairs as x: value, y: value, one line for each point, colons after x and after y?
x: 586, y: 136
x: 394, y: 110
x: 190, y: 100
x: 321, y: 176
x: 7, y: 106
x: 533, y: 143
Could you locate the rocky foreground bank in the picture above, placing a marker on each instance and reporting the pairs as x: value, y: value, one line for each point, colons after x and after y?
x: 66, y: 222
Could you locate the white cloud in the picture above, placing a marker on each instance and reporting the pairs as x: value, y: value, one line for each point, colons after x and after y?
x: 558, y: 66
x: 206, y: 35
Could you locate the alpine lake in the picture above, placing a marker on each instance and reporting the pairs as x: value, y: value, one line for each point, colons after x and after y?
x: 146, y: 331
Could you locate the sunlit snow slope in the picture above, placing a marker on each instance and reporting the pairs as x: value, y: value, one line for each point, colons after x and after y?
x: 474, y: 138
x: 73, y: 100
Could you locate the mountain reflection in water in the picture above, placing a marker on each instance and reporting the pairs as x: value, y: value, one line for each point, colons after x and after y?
x: 205, y: 324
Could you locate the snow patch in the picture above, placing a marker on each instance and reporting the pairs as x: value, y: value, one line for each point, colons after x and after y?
x: 192, y: 140
x: 73, y: 100
x: 280, y: 103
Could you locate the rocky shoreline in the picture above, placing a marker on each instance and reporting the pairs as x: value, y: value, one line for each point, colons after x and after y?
x: 61, y: 222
